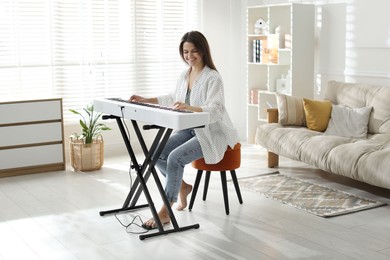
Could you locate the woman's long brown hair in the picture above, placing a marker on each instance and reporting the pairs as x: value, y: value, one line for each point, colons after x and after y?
x: 201, y: 45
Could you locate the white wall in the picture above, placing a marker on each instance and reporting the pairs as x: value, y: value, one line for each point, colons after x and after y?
x: 368, y: 41
x: 222, y: 26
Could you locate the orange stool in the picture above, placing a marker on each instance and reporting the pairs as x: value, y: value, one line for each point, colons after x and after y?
x: 230, y: 162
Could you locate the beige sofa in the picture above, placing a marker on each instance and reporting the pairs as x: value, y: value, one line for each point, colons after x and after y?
x: 366, y: 159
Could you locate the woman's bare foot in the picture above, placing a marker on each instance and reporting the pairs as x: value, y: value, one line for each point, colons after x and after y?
x: 185, y: 190
x: 163, y: 216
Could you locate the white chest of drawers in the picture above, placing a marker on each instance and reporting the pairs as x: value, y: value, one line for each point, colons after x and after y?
x: 31, y: 137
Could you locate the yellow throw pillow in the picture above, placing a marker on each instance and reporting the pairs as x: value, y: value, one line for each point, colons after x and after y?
x: 317, y: 113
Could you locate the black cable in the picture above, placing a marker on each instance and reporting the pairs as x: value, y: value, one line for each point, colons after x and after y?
x: 133, y: 223
x: 128, y: 136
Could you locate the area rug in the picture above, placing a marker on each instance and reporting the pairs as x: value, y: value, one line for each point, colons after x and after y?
x: 313, y: 198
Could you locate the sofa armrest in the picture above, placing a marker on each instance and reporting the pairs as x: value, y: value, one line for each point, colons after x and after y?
x: 272, y: 115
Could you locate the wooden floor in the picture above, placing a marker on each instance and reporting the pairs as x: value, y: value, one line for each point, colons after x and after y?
x: 56, y: 216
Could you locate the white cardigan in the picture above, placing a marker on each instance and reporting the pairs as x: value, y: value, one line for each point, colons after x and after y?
x: 207, y: 92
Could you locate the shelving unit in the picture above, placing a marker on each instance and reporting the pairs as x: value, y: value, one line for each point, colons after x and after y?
x: 288, y: 54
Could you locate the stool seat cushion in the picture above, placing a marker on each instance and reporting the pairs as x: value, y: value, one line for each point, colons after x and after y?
x: 230, y: 161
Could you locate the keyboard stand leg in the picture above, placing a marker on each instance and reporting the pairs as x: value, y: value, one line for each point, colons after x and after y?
x: 136, y: 185
x: 151, y: 159
x: 143, y: 174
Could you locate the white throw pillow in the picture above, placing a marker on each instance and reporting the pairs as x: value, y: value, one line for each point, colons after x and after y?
x: 349, y: 122
x: 290, y: 110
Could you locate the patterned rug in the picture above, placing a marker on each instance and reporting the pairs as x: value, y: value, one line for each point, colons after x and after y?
x: 313, y: 198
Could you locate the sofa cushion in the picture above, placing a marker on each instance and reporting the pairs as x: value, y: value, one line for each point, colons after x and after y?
x: 317, y: 113
x: 284, y: 140
x: 290, y: 110
x: 363, y: 95
x: 351, y: 160
x: 349, y: 122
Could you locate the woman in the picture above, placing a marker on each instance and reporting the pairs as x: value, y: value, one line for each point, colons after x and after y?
x: 199, y: 89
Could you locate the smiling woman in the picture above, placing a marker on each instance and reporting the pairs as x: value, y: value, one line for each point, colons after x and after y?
x: 81, y: 50
x: 199, y: 88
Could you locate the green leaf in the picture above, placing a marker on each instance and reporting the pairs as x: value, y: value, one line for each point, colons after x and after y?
x: 89, y: 123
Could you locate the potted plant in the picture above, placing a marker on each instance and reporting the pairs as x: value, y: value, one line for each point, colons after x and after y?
x: 87, y: 149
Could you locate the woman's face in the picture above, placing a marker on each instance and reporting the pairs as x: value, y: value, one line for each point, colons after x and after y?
x: 192, y: 55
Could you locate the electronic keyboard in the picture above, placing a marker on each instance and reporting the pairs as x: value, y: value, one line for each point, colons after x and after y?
x: 168, y: 117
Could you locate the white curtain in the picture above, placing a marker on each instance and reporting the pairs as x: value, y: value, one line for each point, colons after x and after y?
x: 84, y: 49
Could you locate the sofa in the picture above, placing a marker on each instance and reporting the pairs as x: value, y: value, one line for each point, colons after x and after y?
x: 346, y: 133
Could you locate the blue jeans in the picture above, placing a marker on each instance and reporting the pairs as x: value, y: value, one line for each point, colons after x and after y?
x: 182, y: 148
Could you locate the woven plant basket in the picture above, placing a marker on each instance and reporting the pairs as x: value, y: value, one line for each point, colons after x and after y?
x: 87, y: 157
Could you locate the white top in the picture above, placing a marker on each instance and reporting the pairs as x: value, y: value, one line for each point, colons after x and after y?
x: 207, y: 92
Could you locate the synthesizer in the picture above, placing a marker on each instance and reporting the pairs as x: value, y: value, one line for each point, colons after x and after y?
x: 151, y: 113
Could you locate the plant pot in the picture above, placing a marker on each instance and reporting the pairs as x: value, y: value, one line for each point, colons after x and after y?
x: 87, y: 157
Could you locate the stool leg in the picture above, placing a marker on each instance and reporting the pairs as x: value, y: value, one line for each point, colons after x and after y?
x: 236, y: 186
x: 206, y: 185
x: 195, y: 189
x: 224, y: 191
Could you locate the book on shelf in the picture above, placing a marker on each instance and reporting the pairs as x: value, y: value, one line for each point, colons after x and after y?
x: 254, y: 96
x: 287, y: 41
x: 257, y: 50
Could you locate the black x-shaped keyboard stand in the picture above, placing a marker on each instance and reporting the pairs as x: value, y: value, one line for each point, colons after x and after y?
x: 143, y: 173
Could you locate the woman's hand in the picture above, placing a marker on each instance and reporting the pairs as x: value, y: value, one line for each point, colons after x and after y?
x: 135, y: 98
x: 180, y: 105
x: 184, y: 106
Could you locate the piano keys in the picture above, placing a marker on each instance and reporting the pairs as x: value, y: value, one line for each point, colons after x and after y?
x: 151, y: 114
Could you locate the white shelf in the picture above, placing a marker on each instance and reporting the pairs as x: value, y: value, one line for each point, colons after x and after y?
x: 279, y: 57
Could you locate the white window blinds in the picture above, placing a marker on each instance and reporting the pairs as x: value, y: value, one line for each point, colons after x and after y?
x: 24, y: 48
x: 84, y: 49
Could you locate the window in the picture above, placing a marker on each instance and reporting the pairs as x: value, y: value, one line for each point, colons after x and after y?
x: 81, y: 50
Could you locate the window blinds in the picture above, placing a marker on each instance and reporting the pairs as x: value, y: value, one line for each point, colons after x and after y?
x: 24, y: 48
x: 84, y: 49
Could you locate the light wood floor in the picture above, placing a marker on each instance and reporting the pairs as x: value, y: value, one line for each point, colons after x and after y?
x: 56, y: 216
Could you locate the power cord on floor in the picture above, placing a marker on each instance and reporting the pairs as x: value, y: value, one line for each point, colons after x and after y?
x: 133, y: 223
x: 135, y: 218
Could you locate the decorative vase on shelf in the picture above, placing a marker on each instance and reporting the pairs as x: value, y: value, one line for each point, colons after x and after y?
x: 281, y: 85
x: 261, y: 27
